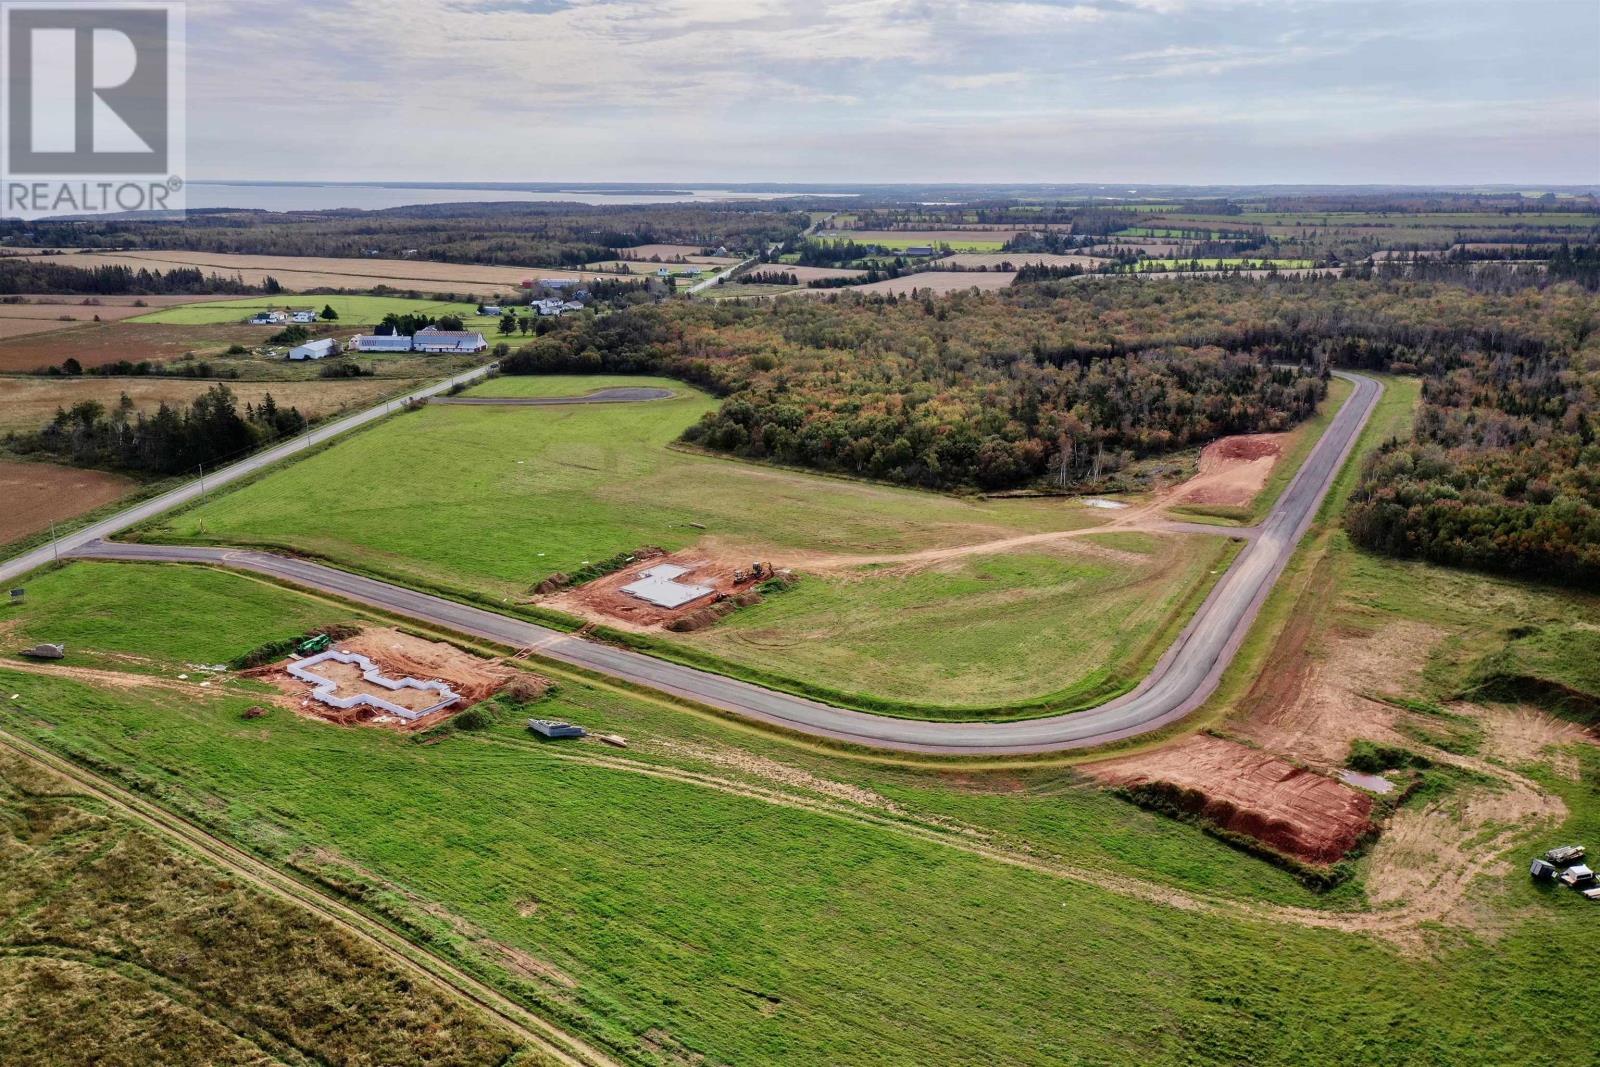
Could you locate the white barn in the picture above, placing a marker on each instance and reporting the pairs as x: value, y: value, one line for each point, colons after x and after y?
x: 372, y: 342
x: 314, y: 349
x: 433, y: 339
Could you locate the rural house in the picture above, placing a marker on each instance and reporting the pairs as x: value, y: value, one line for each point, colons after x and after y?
x: 315, y: 349
x: 303, y: 316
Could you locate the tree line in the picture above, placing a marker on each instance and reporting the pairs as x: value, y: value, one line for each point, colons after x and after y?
x: 18, y: 275
x: 173, y: 440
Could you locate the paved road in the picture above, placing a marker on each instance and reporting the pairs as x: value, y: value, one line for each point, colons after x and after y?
x: 67, y: 543
x: 618, y: 395
x: 1181, y: 681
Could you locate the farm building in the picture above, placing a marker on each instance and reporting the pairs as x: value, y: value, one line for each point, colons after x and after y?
x: 433, y: 339
x: 303, y: 316
x: 919, y: 250
x: 315, y: 349
x: 371, y: 342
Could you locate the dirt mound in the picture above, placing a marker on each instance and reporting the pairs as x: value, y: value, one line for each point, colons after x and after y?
x: 1250, y: 792
x: 1233, y: 470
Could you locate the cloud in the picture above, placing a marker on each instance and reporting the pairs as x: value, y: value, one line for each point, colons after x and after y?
x: 679, y: 89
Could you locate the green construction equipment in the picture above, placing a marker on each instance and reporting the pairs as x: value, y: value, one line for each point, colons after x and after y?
x: 314, y: 644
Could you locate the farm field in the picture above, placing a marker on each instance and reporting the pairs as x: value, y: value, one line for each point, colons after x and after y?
x: 958, y: 240
x: 352, y: 310
x: 99, y: 343
x: 200, y: 966
x: 45, y: 314
x: 586, y: 483
x: 770, y: 873
x: 29, y: 403
x: 37, y: 494
x: 692, y: 253
x: 993, y: 260
x: 935, y: 281
x: 323, y: 272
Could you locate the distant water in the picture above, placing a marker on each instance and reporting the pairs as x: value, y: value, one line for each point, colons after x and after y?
x: 319, y: 197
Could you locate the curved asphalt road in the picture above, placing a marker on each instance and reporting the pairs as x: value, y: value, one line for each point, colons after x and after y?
x: 1182, y: 680
x: 622, y: 394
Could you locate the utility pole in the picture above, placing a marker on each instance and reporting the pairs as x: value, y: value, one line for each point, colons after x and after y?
x: 55, y: 545
x: 202, y: 479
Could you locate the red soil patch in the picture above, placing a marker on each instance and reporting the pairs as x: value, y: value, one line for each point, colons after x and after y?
x: 603, y: 601
x: 1233, y: 470
x: 37, y: 494
x: 1255, y: 793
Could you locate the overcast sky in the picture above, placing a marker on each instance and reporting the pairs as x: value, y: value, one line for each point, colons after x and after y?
x: 1191, y: 91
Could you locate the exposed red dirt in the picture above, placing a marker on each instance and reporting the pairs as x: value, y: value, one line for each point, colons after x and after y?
x: 1233, y: 470
x: 398, y: 655
x: 603, y: 601
x: 1247, y: 791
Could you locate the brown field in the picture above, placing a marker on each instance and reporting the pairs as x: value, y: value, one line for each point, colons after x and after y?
x: 917, y: 237
x: 37, y: 494
x: 95, y: 344
x: 317, y: 272
x: 1021, y: 259
x: 809, y: 274
x: 948, y: 281
x: 688, y: 252
x: 29, y: 403
x: 45, y: 314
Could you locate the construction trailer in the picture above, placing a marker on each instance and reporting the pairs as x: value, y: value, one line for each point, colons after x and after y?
x: 554, y: 729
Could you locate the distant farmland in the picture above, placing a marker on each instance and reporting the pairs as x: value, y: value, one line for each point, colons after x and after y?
x: 958, y: 240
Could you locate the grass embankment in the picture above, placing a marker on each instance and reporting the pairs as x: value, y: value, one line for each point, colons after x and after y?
x: 484, y: 503
x: 670, y: 919
x: 115, y: 948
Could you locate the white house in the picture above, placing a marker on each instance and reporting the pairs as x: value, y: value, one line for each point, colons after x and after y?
x: 303, y: 316
x: 370, y: 342
x: 433, y: 339
x: 314, y: 349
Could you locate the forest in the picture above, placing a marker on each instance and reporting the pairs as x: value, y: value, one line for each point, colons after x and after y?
x: 1060, y: 384
x: 209, y: 432
x: 42, y: 276
x: 548, y: 234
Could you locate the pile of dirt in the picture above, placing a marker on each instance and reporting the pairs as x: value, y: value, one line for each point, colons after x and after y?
x: 1233, y: 470
x: 1246, y: 791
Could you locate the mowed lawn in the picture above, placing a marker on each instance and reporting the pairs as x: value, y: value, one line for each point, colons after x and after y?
x: 1075, y: 624
x: 672, y: 920
x: 489, y: 502
x: 352, y: 310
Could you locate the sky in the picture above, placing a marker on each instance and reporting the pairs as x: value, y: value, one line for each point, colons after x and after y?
x: 1176, y: 91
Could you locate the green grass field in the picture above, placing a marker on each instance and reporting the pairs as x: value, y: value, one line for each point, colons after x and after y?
x: 672, y: 918
x: 117, y: 948
x: 352, y: 310
x: 488, y: 503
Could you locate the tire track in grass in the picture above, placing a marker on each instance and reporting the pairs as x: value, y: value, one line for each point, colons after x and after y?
x: 538, y: 1033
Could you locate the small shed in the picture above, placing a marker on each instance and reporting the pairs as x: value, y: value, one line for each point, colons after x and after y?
x: 1541, y: 870
x: 554, y: 729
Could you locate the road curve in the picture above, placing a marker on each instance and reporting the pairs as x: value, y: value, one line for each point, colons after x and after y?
x: 1181, y: 681
x: 122, y: 520
x: 622, y: 394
